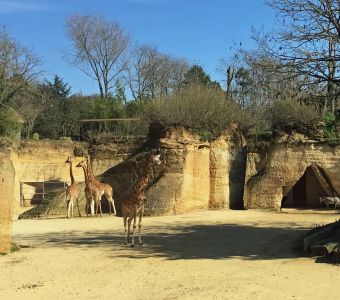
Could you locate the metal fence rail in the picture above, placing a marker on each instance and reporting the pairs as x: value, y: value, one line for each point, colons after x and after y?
x: 32, y: 193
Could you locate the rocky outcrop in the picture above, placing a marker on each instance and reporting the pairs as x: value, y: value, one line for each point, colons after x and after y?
x: 272, y: 175
x: 6, y: 199
x: 194, y: 175
x: 199, y: 175
x: 323, y: 240
x: 44, y: 161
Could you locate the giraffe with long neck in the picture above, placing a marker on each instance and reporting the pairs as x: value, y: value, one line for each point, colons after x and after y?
x: 105, y: 189
x: 135, y: 203
x: 91, y: 191
x: 71, y: 192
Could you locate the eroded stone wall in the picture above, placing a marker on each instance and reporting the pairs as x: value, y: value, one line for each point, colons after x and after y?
x: 271, y: 175
x: 38, y: 161
x: 6, y: 199
x: 194, y: 175
x: 200, y: 175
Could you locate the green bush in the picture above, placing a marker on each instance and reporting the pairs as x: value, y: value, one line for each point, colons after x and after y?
x: 78, y: 152
x: 331, y: 123
x: 289, y: 113
x: 204, y: 110
x: 10, y: 125
x: 65, y: 138
x: 35, y: 136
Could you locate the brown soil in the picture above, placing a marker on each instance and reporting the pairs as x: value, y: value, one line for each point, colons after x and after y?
x: 205, y: 255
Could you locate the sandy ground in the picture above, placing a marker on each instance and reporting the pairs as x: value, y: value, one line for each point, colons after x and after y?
x: 205, y: 255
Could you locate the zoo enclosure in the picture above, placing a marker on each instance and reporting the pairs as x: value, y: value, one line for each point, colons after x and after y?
x: 33, y: 193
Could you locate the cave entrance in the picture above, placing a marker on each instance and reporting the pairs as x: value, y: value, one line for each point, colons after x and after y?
x: 313, y: 184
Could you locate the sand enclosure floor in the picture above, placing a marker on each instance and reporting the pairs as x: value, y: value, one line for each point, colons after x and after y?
x: 205, y: 255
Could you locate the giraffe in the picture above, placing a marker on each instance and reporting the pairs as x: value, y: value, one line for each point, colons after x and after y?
x: 91, y: 191
x: 71, y: 192
x: 135, y: 203
x: 105, y: 188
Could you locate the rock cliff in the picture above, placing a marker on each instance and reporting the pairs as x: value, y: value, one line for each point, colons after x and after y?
x: 291, y: 172
x: 6, y: 199
x: 194, y: 174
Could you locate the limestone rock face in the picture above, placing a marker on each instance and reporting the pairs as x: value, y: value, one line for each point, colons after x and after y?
x: 227, y: 169
x: 38, y: 161
x: 193, y: 175
x: 6, y: 199
x: 271, y: 175
x: 199, y: 175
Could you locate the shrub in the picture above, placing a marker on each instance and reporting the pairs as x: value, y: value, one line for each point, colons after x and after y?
x: 65, y: 138
x: 77, y: 151
x: 35, y: 136
x: 288, y: 113
x: 204, y: 110
x: 10, y: 125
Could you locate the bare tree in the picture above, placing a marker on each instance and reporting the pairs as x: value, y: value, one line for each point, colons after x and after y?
x: 29, y: 102
x: 99, y: 48
x: 307, y: 43
x: 18, y: 67
x: 151, y: 74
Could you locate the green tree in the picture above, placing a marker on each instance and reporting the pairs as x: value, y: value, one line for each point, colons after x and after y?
x: 197, y: 76
x: 54, y: 119
x: 119, y: 94
x: 60, y: 90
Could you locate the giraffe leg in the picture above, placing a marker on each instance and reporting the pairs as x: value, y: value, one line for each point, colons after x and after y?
x: 92, y: 207
x: 97, y: 208
x: 68, y: 198
x: 78, y: 207
x: 125, y: 230
x: 140, y: 227
x: 133, y: 230
x: 114, y: 207
x: 100, y: 208
x: 129, y: 229
x: 111, y: 201
x: 68, y: 209
x: 71, y: 202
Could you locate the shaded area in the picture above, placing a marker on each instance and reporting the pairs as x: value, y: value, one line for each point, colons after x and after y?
x: 221, y: 241
x: 323, y: 241
x: 237, y: 177
x: 314, y: 183
x: 33, y: 193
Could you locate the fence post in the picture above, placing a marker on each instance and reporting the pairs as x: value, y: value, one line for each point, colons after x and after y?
x: 21, y: 195
x: 43, y: 196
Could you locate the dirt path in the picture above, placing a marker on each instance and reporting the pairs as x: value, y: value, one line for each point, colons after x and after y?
x: 205, y: 255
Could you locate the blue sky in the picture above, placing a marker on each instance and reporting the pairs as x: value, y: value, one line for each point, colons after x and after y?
x: 200, y: 30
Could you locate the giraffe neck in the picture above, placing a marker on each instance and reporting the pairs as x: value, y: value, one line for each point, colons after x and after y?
x: 85, y: 175
x: 71, y: 173
x: 144, y: 180
x: 89, y: 169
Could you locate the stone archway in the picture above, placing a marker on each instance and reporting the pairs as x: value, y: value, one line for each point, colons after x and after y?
x: 305, y: 193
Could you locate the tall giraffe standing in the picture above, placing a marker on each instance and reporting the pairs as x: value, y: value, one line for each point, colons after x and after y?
x: 105, y: 188
x: 71, y: 192
x: 135, y: 203
x: 91, y: 191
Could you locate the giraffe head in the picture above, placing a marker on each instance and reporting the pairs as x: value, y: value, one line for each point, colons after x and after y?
x: 81, y: 164
x: 69, y: 160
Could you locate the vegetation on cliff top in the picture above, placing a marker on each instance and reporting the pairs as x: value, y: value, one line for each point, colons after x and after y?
x: 290, y: 81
